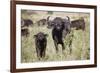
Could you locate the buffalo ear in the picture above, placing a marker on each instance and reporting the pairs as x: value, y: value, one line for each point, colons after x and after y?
x: 68, y: 18
x: 46, y: 35
x: 34, y: 36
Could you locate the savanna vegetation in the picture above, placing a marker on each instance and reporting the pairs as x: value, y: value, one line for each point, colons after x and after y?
x: 80, y: 41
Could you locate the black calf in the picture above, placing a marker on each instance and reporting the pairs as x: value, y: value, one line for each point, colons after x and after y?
x: 40, y: 43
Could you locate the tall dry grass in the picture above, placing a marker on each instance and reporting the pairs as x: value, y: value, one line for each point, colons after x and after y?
x: 28, y: 50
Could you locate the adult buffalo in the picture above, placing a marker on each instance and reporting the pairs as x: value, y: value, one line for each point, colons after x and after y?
x: 78, y: 24
x: 41, y: 22
x: 26, y: 22
x: 59, y: 26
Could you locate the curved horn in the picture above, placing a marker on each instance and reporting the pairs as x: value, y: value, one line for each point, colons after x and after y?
x: 68, y: 18
x: 48, y: 18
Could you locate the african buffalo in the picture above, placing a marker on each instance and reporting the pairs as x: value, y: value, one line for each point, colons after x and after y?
x: 60, y: 26
x: 40, y: 44
x: 26, y: 22
x: 41, y: 22
x: 78, y: 24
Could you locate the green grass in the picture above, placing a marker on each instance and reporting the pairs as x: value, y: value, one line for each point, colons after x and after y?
x: 80, y: 43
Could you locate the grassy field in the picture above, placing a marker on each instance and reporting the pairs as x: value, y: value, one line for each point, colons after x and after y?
x: 80, y: 43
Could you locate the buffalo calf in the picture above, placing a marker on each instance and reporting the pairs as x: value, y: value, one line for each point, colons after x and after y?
x: 40, y: 44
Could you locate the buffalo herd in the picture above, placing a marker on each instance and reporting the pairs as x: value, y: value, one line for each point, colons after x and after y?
x: 60, y: 27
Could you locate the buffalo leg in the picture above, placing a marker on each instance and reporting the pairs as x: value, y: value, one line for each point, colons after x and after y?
x: 70, y: 42
x: 56, y: 46
x: 63, y: 47
x: 70, y: 46
x: 38, y: 53
x: 44, y: 53
x: 41, y: 53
